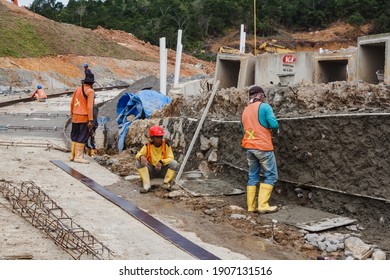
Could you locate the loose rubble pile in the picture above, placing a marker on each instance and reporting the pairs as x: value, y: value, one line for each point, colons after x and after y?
x: 354, y: 247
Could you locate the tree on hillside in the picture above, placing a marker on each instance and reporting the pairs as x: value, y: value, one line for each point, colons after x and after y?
x: 46, y: 8
x: 202, y: 19
x: 357, y: 21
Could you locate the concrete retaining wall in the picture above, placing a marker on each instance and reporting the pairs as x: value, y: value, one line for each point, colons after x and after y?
x: 340, y: 153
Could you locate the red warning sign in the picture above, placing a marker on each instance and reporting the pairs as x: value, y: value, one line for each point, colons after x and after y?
x: 289, y: 58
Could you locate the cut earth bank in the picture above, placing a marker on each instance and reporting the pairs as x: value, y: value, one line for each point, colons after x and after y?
x: 332, y: 144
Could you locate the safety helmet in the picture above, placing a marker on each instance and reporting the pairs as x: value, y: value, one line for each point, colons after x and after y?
x: 39, y: 86
x: 156, y: 131
x: 85, y: 64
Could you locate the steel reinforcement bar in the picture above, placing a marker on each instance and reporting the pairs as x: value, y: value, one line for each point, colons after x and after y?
x: 35, y: 206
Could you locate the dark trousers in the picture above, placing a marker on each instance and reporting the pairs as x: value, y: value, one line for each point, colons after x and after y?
x: 91, y: 139
x: 79, y: 132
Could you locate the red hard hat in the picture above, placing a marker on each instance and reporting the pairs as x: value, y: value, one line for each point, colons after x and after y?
x: 156, y: 131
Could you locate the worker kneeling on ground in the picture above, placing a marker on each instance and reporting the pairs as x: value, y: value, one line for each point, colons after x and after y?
x: 39, y: 94
x: 257, y: 122
x: 156, y: 160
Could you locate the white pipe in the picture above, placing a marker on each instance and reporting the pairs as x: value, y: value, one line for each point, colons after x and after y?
x: 335, y: 116
x: 242, y: 40
x: 315, y: 117
x: 163, y: 67
x: 179, y: 49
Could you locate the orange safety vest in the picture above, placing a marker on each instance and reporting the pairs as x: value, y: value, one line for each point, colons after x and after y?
x: 41, y: 93
x: 80, y: 106
x: 256, y: 136
x: 164, y: 152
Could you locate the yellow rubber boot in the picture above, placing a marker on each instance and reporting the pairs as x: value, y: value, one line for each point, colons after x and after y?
x: 144, y: 174
x: 251, y: 198
x: 264, y: 195
x: 93, y: 152
x: 79, y: 153
x: 168, y: 179
x: 72, y: 151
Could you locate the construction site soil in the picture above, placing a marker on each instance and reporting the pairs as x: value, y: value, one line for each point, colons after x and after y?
x: 332, y: 143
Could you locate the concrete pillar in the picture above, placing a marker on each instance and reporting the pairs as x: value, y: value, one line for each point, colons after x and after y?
x: 163, y: 66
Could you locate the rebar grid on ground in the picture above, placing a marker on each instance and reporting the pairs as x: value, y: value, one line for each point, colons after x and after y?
x: 35, y: 206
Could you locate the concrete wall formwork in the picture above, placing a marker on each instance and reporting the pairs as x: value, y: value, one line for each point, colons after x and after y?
x: 270, y: 67
x: 332, y: 68
x: 373, y: 55
x: 235, y: 70
x: 304, y: 66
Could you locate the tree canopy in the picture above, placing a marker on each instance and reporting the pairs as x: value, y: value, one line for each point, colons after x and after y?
x: 201, y: 19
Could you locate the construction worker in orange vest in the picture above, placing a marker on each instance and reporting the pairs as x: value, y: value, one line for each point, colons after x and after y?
x: 156, y: 160
x: 39, y: 94
x: 257, y: 122
x: 81, y: 110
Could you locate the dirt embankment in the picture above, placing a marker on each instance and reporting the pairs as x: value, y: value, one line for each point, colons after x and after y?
x: 334, y: 37
x: 115, y: 57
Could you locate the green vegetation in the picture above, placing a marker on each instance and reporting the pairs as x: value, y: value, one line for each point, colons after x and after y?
x: 20, y: 39
x: 201, y: 19
x: 36, y: 37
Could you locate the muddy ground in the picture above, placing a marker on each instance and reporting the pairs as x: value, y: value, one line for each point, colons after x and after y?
x: 331, y: 143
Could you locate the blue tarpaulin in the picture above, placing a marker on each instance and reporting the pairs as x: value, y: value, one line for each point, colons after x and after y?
x: 141, y: 105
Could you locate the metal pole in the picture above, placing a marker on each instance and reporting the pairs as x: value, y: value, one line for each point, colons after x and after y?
x: 216, y: 85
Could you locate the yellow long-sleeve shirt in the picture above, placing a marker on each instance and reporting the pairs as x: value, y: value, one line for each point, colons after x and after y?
x: 156, y: 154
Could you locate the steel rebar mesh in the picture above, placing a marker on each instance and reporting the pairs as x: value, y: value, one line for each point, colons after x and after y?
x: 34, y: 205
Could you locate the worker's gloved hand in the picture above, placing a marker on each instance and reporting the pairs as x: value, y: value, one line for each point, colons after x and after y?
x: 90, y: 128
x: 158, y: 166
x: 144, y: 161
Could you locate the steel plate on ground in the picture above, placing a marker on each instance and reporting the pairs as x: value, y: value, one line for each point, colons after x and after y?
x: 309, y: 219
x: 209, y: 187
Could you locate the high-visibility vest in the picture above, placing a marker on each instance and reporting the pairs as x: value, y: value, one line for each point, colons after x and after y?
x: 256, y: 136
x: 41, y: 93
x: 80, y: 106
x: 163, y: 150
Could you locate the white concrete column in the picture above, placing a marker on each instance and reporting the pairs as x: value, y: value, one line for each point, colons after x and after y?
x: 163, y: 66
x: 179, y: 49
x: 242, y: 40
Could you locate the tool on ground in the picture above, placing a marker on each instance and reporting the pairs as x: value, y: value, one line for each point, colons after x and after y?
x: 216, y: 85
